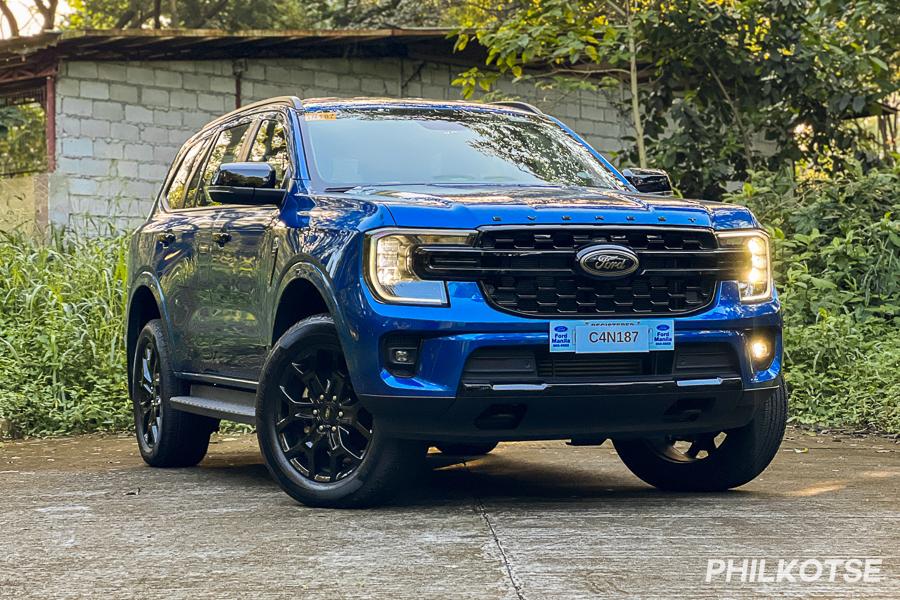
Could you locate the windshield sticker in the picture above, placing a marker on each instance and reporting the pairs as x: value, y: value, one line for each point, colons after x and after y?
x: 320, y: 116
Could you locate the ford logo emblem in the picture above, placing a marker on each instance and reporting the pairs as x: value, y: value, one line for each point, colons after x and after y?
x: 662, y: 327
x: 561, y: 328
x: 607, y: 261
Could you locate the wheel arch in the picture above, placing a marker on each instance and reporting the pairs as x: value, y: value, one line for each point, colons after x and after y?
x: 304, y: 283
x: 145, y: 303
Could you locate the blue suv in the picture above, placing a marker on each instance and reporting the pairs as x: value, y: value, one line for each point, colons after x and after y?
x: 363, y: 279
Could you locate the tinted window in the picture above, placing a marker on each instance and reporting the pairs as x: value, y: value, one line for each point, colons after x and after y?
x: 191, y: 198
x: 226, y: 149
x: 271, y: 146
x: 178, y: 188
x: 379, y: 146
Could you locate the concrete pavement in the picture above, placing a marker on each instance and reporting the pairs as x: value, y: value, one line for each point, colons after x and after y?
x: 83, y: 518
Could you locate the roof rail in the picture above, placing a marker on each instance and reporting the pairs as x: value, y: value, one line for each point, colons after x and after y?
x: 520, y: 105
x: 292, y: 101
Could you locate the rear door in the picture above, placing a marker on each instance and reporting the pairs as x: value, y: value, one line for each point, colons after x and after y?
x: 242, y: 256
x: 182, y: 231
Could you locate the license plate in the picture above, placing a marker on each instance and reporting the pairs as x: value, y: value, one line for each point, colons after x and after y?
x: 591, y: 337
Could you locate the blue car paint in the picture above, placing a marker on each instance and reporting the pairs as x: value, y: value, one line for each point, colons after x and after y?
x: 320, y: 239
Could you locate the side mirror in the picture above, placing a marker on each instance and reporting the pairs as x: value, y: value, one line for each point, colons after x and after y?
x: 649, y: 181
x: 251, y: 183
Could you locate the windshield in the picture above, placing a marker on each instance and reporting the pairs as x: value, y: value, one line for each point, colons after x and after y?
x: 349, y: 147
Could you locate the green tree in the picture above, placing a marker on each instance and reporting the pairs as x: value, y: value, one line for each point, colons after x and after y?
x: 23, y: 146
x: 725, y: 87
x: 233, y: 15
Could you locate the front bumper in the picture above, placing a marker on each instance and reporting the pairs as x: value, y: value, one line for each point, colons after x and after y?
x: 582, y: 411
x: 436, y: 404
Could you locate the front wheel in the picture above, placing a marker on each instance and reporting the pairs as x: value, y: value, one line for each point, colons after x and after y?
x: 713, y: 461
x: 320, y: 444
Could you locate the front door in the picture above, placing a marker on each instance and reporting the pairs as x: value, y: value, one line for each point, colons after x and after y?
x: 241, y: 255
x: 240, y: 265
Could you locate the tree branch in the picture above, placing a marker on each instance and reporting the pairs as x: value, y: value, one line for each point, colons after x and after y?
x: 48, y: 12
x: 748, y: 148
x: 10, y: 19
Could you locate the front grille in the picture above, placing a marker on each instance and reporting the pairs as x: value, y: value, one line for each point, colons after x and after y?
x: 530, y: 364
x: 552, y: 365
x: 533, y: 271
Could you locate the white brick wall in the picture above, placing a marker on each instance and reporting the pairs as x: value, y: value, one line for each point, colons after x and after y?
x: 119, y: 125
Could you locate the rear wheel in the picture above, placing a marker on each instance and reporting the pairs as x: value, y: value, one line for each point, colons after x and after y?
x: 466, y: 449
x: 713, y: 461
x: 166, y: 437
x: 320, y: 444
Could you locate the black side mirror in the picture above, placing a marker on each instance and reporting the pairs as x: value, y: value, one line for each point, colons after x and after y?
x: 649, y: 181
x: 250, y: 183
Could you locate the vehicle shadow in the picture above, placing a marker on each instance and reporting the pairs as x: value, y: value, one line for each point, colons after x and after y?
x: 469, y: 481
x: 517, y: 479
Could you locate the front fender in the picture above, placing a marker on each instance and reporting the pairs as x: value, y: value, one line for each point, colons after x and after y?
x: 306, y: 268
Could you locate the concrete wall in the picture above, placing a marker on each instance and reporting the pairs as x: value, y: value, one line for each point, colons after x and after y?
x: 23, y: 204
x: 120, y: 124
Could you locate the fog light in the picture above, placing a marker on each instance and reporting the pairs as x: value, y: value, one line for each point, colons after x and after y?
x: 760, y: 349
x: 760, y: 352
x: 404, y: 356
x: 400, y: 353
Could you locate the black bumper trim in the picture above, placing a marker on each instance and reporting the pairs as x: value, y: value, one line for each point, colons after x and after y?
x: 565, y: 410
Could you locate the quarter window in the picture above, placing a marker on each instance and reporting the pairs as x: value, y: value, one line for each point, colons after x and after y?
x: 192, y: 198
x: 177, y: 193
x: 271, y: 146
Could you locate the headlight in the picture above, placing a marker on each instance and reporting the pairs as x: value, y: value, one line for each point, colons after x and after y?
x: 756, y: 282
x: 389, y: 254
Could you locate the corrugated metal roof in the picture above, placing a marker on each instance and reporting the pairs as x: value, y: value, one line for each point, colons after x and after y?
x: 25, y: 57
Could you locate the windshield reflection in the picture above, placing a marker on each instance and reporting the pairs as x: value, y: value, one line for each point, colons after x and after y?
x: 352, y: 147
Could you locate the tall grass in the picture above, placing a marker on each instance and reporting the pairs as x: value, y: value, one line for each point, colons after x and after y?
x: 61, y: 334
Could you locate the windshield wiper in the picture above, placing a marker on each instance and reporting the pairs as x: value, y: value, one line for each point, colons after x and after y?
x: 341, y: 189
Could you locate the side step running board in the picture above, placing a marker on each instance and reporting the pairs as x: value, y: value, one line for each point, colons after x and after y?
x: 219, y: 403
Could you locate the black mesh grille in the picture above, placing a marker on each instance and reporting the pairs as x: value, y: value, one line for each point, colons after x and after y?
x: 539, y: 364
x: 537, y: 274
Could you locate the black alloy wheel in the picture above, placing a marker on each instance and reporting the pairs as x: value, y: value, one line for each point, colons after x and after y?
x: 714, y: 461
x: 322, y: 429
x: 148, y: 393
x: 319, y: 442
x: 166, y: 437
x: 688, y: 449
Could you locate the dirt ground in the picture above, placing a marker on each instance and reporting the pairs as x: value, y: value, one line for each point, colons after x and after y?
x: 84, y: 518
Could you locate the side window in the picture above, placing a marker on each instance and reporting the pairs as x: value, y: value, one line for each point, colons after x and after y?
x: 191, y: 198
x: 271, y: 146
x: 226, y: 149
x: 177, y: 192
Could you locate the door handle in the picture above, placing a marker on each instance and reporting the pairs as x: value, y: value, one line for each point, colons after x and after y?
x: 166, y: 237
x: 221, y: 237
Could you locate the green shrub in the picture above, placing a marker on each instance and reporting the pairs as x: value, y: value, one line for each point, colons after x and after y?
x: 837, y: 258
x: 837, y: 267
x: 61, y: 342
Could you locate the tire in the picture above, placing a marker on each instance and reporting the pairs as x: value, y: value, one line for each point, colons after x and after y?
x: 166, y: 437
x: 466, y: 449
x: 738, y: 459
x: 319, y: 443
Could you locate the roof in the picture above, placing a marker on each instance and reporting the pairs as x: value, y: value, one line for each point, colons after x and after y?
x: 35, y: 56
x: 324, y: 104
x: 318, y: 104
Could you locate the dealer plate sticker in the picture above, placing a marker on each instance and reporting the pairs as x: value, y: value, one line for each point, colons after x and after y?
x: 586, y: 337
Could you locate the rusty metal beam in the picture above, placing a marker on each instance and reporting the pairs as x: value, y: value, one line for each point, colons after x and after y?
x: 50, y: 119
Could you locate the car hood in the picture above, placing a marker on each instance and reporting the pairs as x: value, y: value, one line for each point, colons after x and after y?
x: 470, y: 207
